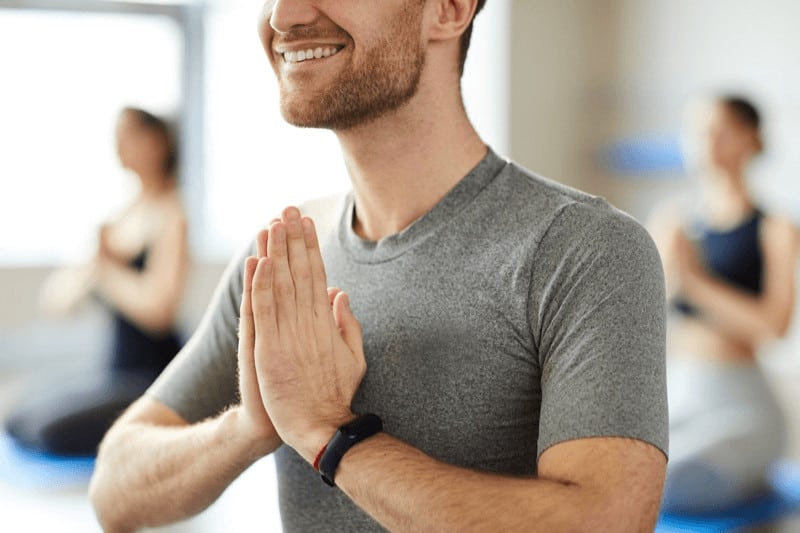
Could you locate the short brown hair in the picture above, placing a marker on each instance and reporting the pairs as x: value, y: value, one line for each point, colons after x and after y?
x: 467, y: 36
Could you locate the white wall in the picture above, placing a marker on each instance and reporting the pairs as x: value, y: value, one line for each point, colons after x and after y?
x: 669, y: 52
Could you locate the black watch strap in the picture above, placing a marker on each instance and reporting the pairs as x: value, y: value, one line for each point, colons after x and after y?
x: 345, y: 438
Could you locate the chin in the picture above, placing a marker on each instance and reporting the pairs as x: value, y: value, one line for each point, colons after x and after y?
x: 299, y: 118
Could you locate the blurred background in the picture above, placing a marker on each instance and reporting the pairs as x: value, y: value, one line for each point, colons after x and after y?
x: 591, y: 93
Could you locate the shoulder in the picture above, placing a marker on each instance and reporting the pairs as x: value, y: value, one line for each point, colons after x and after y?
x: 555, y: 204
x: 170, y: 210
x: 780, y: 232
x: 564, y: 220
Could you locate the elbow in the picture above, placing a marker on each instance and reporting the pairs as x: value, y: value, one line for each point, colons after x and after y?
x: 104, y: 509
x: 621, y: 510
x: 102, y: 493
x: 782, y: 327
x: 100, y: 504
x: 159, y: 317
x: 773, y: 329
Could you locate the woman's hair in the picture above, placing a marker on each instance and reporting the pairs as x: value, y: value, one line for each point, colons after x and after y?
x: 743, y: 109
x: 746, y: 113
x: 161, y: 127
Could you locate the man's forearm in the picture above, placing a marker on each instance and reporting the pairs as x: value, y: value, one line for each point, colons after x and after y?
x: 152, y: 475
x: 405, y: 490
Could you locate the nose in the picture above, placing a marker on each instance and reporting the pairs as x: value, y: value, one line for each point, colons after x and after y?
x: 287, y: 14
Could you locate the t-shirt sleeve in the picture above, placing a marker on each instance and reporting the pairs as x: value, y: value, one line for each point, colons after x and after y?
x: 598, y: 313
x: 202, y: 380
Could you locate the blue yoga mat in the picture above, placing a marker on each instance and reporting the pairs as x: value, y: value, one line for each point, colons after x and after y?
x: 23, y: 468
x: 783, y: 500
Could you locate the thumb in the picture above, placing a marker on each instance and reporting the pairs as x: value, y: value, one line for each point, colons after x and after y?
x: 348, y: 324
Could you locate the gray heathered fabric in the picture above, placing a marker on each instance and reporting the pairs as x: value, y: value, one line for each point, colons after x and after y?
x: 516, y: 314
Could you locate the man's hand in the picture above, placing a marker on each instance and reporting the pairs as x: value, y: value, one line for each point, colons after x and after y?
x: 308, y: 349
x: 255, y: 419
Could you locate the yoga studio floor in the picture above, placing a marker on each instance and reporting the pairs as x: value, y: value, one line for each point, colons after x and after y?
x: 32, y: 502
x: 37, y: 496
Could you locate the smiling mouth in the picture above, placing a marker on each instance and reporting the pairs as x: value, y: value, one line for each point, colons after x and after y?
x: 320, y: 52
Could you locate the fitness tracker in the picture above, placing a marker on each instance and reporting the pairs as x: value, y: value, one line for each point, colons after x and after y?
x: 345, y: 438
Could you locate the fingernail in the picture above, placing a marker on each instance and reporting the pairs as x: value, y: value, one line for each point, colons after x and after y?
x: 292, y: 213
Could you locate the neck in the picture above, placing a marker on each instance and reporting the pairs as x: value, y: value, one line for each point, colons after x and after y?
x: 154, y: 183
x: 402, y: 164
x: 726, y: 197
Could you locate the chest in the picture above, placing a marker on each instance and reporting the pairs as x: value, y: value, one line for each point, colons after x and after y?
x: 451, y: 365
x: 134, y: 230
x: 735, y: 256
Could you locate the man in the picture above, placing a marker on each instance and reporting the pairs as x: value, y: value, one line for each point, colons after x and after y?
x: 513, y: 328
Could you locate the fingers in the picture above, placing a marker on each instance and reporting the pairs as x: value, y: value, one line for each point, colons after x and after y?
x: 247, y: 332
x: 348, y: 324
x: 264, y: 312
x: 261, y: 243
x: 332, y: 292
x: 319, y: 280
x: 299, y: 265
x: 281, y: 283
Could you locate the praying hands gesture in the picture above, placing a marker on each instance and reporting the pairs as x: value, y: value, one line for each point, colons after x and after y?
x: 301, y: 358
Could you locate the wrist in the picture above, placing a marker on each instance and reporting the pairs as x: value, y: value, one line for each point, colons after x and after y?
x: 313, y: 441
x: 255, y: 442
x: 692, y: 279
x: 348, y: 436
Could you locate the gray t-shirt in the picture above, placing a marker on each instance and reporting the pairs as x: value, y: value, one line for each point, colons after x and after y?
x: 517, y: 314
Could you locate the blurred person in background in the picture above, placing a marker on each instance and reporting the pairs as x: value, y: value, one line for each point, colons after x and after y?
x: 730, y: 272
x: 138, y: 273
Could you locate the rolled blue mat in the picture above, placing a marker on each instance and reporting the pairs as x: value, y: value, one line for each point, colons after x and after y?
x: 782, y: 501
x: 645, y: 157
x: 23, y: 468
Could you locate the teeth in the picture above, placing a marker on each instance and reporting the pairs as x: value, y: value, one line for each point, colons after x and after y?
x: 304, y: 55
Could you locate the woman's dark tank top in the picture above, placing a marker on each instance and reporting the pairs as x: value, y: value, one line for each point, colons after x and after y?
x: 134, y: 348
x: 733, y: 255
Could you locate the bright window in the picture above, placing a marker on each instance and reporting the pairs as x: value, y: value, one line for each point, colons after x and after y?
x: 64, y: 78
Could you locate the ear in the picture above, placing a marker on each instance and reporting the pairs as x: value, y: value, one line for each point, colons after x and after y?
x: 452, y: 18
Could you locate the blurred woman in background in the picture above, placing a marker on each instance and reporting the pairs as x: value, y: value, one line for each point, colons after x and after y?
x: 731, y: 281
x: 138, y: 273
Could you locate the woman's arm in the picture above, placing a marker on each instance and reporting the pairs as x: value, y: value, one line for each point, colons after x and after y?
x: 751, y: 318
x: 67, y: 288
x: 150, y: 298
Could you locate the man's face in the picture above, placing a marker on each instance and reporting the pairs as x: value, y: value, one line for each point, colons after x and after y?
x: 340, y: 64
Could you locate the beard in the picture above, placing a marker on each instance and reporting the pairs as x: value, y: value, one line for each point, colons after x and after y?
x: 386, y: 77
